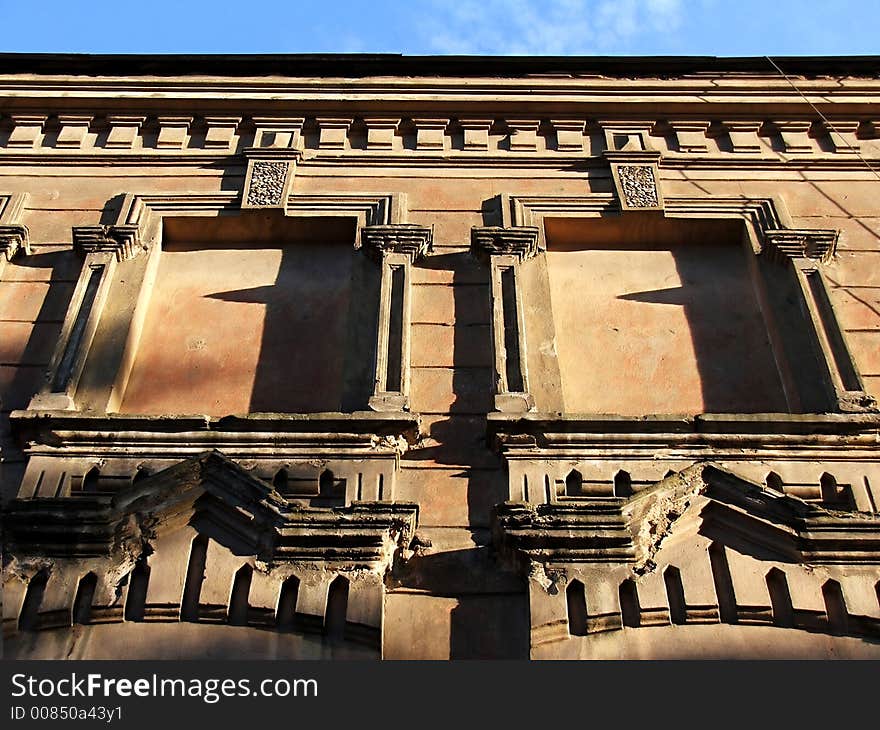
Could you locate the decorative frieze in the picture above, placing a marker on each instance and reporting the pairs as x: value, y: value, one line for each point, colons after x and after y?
x: 73, y: 131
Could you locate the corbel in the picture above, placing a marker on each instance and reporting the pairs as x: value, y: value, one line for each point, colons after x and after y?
x: 173, y: 132
x: 221, y: 131
x: 569, y: 134
x: 523, y: 134
x: 476, y: 133
x: 843, y: 135
x: 380, y: 132
x: 26, y: 131
x: 395, y: 247
x: 430, y: 132
x: 690, y: 134
x: 506, y: 249
x: 795, y: 136
x: 124, y: 130
x: 74, y: 128
x: 278, y: 133
x: 743, y: 135
x: 269, y: 177
x: 805, y: 251
x: 14, y: 235
x: 333, y: 132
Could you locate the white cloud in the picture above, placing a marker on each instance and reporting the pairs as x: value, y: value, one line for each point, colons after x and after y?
x: 548, y: 27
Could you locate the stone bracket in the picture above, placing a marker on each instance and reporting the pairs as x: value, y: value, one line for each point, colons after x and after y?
x: 519, y: 241
x: 784, y: 244
x: 407, y: 239
x: 123, y: 241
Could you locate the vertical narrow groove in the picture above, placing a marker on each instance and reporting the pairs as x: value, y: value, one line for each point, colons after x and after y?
x: 675, y: 595
x: 29, y: 617
x: 630, y: 609
x: 65, y: 367
x: 360, y: 487
x: 394, y: 364
x: 525, y: 487
x: 547, y: 488
x: 512, y: 363
x: 835, y: 607
x: 780, y: 599
x: 576, y: 602
x: 285, y: 614
x: 337, y: 609
x: 238, y: 600
x: 723, y: 583
x: 85, y: 597
x: 381, y: 487
x: 136, y: 597
x: 842, y: 360
x: 195, y: 574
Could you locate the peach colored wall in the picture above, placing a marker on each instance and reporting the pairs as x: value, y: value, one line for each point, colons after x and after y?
x: 238, y: 330
x: 673, y: 330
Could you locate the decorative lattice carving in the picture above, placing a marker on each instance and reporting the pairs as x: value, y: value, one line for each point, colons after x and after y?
x: 266, y: 188
x: 639, y: 186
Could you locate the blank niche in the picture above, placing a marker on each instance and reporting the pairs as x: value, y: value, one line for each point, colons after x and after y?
x: 576, y: 602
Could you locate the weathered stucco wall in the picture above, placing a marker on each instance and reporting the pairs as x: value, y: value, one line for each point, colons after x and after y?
x: 642, y: 326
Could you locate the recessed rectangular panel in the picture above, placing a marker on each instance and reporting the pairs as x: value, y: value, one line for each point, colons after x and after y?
x: 239, y: 328
x: 664, y: 328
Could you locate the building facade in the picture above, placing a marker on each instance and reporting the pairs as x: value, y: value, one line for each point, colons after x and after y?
x: 376, y: 356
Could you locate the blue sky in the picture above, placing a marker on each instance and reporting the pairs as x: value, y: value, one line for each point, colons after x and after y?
x: 504, y: 27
